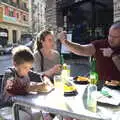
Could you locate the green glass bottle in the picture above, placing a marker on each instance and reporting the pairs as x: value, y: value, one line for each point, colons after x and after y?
x: 61, y: 59
x: 92, y: 87
x: 93, y: 72
x: 65, y: 73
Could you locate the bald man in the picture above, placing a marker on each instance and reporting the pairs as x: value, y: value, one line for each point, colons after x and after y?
x: 106, y: 52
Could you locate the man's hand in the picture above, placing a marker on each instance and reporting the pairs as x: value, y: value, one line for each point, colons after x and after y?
x: 62, y: 36
x: 107, y: 52
x: 112, y: 83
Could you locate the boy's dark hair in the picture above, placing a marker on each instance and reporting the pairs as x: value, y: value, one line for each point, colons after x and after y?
x: 22, y: 54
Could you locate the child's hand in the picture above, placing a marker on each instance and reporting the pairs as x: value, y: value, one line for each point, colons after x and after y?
x: 47, y: 81
x: 9, y: 84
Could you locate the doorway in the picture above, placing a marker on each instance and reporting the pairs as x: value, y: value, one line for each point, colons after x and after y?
x: 14, y: 32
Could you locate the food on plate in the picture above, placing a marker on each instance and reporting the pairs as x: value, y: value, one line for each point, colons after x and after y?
x: 112, y: 83
x: 69, y: 87
x: 39, y: 87
x: 81, y: 78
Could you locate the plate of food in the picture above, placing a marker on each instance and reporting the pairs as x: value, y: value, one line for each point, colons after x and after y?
x: 42, y: 88
x: 70, y: 89
x: 81, y: 80
x: 113, y: 84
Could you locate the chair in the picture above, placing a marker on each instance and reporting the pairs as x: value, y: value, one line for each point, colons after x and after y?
x: 1, y: 76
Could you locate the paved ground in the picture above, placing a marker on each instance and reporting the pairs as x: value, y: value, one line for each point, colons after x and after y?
x: 5, y: 62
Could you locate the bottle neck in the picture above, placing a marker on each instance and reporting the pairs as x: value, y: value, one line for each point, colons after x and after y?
x: 93, y: 65
x: 61, y: 60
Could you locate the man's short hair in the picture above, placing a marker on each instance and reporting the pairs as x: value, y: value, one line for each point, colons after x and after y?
x: 22, y: 54
x: 116, y: 25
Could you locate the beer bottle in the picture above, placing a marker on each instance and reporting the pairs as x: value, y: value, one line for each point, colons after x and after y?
x: 93, y: 72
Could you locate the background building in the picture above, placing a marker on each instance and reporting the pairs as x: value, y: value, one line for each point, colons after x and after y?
x: 51, y: 14
x: 37, y: 15
x: 14, y: 16
x: 84, y: 19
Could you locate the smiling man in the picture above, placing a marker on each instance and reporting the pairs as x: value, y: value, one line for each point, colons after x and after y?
x: 106, y: 52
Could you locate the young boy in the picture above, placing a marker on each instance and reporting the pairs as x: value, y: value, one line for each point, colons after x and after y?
x: 17, y: 80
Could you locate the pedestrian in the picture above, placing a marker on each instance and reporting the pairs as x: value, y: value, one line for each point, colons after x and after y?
x: 47, y: 59
x: 105, y: 51
x: 17, y: 79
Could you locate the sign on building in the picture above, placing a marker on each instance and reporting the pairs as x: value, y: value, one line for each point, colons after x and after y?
x: 116, y: 10
x: 63, y: 48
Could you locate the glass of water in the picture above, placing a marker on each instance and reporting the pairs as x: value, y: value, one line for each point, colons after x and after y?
x: 58, y: 84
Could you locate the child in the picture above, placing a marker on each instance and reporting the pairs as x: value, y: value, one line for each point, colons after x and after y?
x: 17, y: 80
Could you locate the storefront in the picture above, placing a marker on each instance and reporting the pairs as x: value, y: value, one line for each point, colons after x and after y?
x: 14, y: 21
x: 3, y: 36
x: 86, y: 19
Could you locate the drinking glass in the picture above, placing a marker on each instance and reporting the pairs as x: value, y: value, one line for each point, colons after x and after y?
x: 59, y: 85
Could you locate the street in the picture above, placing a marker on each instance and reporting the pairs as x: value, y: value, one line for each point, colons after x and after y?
x: 5, y: 62
x: 78, y: 66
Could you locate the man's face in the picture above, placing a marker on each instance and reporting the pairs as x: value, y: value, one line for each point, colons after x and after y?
x: 114, y: 37
x: 24, y: 68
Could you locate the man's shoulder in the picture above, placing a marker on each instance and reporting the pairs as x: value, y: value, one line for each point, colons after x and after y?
x: 100, y: 43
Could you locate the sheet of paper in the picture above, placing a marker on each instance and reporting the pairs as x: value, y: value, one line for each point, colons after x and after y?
x: 114, y: 100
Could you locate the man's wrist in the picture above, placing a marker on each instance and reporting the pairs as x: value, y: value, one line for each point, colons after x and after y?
x: 65, y: 42
x: 115, y: 54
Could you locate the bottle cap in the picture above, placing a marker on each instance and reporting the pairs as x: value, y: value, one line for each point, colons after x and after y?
x: 65, y: 66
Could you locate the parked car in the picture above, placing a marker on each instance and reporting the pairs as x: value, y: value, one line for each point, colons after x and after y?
x: 8, y: 49
x: 29, y: 44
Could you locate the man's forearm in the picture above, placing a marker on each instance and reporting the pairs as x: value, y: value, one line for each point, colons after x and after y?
x: 84, y: 50
x: 116, y: 60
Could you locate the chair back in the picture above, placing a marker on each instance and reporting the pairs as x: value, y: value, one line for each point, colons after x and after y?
x: 1, y: 83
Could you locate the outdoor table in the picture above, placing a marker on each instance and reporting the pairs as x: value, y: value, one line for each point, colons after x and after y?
x: 73, y: 106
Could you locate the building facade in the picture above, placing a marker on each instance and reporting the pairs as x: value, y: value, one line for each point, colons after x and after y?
x: 14, y: 15
x: 51, y: 14
x: 37, y: 16
x: 85, y: 19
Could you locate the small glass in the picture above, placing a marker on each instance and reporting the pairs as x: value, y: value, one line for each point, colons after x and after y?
x: 58, y: 84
